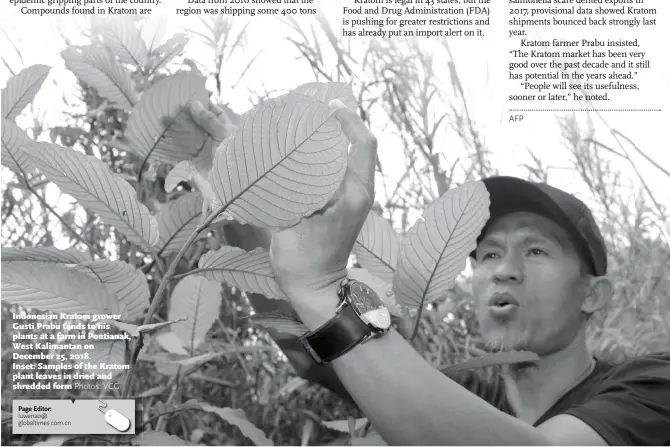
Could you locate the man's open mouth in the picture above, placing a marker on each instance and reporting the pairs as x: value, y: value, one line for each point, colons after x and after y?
x: 503, y: 301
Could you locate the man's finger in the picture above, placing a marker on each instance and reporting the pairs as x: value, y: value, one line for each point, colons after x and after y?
x: 207, y: 120
x: 216, y: 110
x: 363, y: 153
x: 222, y: 116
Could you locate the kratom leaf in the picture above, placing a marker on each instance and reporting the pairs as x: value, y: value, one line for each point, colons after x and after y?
x: 291, y: 386
x: 280, y: 321
x: 201, y: 359
x: 155, y: 326
x: 56, y: 288
x: 21, y: 90
x: 198, y: 299
x: 125, y: 40
x: 171, y: 343
x: 377, y: 247
x: 168, y: 368
x: 111, y: 352
x: 167, y: 407
x: 152, y: 392
x: 125, y: 281
x: 14, y: 141
x: 343, y: 425
x: 96, y: 67
x: 285, y: 161
x: 184, y: 171
x: 435, y: 249
x: 150, y: 437
x: 186, y: 366
x: 327, y: 91
x: 153, y: 31
x: 249, y: 271
x: 177, y: 221
x: 239, y: 419
x: 44, y: 254
x: 97, y: 189
x: 495, y: 359
x: 382, y: 288
x: 131, y: 329
x: 160, y: 123
x: 167, y: 51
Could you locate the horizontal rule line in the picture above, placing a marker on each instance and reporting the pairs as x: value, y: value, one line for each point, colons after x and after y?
x: 584, y: 110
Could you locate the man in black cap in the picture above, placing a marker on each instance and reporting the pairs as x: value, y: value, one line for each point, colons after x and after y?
x: 539, y: 272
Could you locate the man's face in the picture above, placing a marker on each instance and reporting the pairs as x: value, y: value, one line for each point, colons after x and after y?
x: 528, y: 285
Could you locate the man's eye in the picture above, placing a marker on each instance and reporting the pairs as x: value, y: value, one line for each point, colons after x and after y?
x: 536, y: 251
x: 489, y: 255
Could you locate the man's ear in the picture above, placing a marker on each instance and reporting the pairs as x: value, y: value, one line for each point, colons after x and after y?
x: 600, y: 290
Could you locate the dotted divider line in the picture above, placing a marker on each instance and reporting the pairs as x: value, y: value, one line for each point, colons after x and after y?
x: 584, y: 110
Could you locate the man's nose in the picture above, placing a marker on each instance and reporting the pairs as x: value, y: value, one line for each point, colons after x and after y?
x: 510, y: 269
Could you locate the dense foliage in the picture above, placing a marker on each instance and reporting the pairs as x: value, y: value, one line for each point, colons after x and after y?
x: 250, y: 372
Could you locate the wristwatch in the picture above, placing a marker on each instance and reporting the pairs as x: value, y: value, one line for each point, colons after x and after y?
x: 360, y: 317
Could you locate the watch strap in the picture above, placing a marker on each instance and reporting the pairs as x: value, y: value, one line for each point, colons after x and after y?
x: 337, y: 336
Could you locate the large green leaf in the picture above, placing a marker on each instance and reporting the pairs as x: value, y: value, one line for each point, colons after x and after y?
x: 184, y: 171
x: 112, y: 352
x: 170, y: 342
x: 44, y: 254
x: 437, y: 246
x: 153, y: 31
x: 160, y: 127
x: 377, y: 247
x: 94, y: 66
x: 327, y: 91
x: 284, y: 161
x: 21, y: 90
x: 125, y: 281
x: 97, y: 189
x: 166, y: 52
x: 14, y: 141
x: 55, y: 288
x: 177, y: 221
x: 343, y: 424
x: 239, y: 419
x: 124, y: 39
x: 198, y: 299
x: 249, y: 271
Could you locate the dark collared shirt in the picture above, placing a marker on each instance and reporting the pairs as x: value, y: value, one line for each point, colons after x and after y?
x: 626, y: 403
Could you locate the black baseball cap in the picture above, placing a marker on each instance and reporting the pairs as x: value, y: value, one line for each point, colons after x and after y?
x: 511, y: 194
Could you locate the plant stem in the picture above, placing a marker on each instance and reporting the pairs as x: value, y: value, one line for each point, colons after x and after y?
x: 158, y: 296
x: 160, y: 424
x: 189, y: 273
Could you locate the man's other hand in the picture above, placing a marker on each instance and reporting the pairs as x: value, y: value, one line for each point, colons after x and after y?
x: 214, y: 121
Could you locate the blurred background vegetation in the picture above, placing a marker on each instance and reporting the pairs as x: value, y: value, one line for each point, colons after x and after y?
x: 399, y: 92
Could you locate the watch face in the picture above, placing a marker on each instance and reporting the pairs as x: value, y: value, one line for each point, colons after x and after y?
x: 370, y: 308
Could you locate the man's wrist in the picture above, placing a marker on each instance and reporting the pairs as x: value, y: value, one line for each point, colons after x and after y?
x: 315, y: 307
